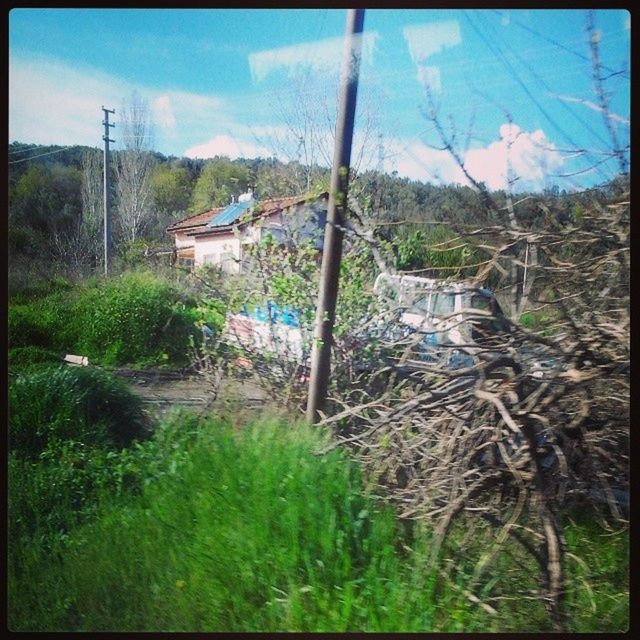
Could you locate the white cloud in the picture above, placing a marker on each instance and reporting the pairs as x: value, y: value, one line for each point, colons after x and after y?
x: 527, y: 156
x: 424, y: 40
x: 531, y: 155
x: 318, y: 56
x: 163, y: 114
x: 417, y: 161
x: 225, y: 145
x: 53, y: 103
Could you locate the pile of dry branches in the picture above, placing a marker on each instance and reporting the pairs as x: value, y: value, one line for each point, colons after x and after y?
x: 539, y: 424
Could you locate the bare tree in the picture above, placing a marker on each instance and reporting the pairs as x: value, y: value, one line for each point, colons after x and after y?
x: 133, y: 167
x: 80, y: 246
x: 306, y: 137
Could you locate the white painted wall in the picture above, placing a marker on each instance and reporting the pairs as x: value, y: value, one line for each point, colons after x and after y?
x: 211, y: 249
x: 183, y: 241
x: 295, y: 224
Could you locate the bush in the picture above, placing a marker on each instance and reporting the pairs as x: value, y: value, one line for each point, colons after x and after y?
x: 45, y: 322
x: 134, y: 319
x: 22, y: 357
x: 40, y: 289
x: 62, y: 403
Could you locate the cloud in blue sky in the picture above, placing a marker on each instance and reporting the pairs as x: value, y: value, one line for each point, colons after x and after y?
x: 207, y: 125
x: 527, y: 156
x: 51, y: 102
x: 318, y: 56
x: 225, y: 145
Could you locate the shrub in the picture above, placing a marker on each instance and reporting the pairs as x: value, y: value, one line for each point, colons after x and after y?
x: 45, y: 322
x: 134, y: 319
x: 61, y: 403
x: 22, y: 357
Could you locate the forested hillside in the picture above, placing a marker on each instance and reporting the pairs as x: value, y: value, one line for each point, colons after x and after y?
x: 56, y: 206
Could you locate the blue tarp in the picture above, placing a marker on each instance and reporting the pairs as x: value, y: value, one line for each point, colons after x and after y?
x: 284, y: 315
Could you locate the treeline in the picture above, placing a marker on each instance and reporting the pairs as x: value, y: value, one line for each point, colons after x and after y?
x: 55, y: 203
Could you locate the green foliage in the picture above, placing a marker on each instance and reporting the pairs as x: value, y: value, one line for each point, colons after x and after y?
x: 35, y: 290
x: 42, y: 323
x: 220, y: 179
x: 46, y: 199
x: 56, y: 404
x: 437, y: 248
x: 230, y: 504
x: 171, y: 189
x: 22, y: 357
x: 598, y: 570
x: 206, y: 528
x: 135, y: 318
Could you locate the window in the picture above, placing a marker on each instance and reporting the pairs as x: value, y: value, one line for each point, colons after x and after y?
x: 443, y: 304
x: 228, y: 262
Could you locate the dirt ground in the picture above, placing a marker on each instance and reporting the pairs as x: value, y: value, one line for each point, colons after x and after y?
x: 161, y: 391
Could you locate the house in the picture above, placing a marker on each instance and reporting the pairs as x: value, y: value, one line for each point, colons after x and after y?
x: 221, y: 236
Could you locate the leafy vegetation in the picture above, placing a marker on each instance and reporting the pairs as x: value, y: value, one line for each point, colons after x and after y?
x: 204, y: 526
x: 248, y: 530
x: 58, y: 403
x: 137, y: 318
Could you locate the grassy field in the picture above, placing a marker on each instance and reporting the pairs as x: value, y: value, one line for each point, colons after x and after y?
x: 218, y: 528
x: 121, y: 523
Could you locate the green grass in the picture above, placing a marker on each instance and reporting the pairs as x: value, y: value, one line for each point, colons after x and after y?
x: 228, y: 529
x: 58, y: 404
x: 136, y: 319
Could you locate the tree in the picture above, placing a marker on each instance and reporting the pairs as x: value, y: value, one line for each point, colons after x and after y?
x: 171, y: 190
x: 133, y: 168
x: 220, y: 180
x: 308, y: 110
x: 80, y: 244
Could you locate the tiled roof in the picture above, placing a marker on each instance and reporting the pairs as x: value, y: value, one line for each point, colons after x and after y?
x: 199, y: 224
x: 194, y: 221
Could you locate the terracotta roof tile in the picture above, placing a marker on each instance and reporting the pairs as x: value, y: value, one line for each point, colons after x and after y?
x: 197, y: 224
x: 195, y: 221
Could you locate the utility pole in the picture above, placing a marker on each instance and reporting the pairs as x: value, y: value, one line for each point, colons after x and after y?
x: 337, y: 207
x: 107, y: 191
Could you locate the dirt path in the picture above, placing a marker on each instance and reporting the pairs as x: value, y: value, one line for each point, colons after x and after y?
x: 162, y: 390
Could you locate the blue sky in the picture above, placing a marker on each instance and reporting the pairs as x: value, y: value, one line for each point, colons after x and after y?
x: 516, y: 86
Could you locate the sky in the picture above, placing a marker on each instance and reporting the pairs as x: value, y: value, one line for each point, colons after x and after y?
x: 511, y: 92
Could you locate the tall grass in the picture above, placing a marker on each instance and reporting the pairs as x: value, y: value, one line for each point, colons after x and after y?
x: 244, y: 531
x: 248, y: 530
x: 135, y: 319
x: 61, y: 404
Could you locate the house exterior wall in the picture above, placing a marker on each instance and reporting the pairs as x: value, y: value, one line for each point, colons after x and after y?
x: 294, y: 225
x: 218, y: 249
x: 183, y: 240
x: 297, y: 224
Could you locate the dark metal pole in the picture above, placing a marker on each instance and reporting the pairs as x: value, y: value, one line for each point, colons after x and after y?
x: 107, y: 191
x: 332, y: 250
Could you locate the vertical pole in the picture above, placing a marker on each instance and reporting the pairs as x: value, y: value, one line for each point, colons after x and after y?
x: 332, y: 250
x: 107, y: 191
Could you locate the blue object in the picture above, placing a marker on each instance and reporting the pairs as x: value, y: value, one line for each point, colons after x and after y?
x: 274, y: 314
x: 230, y: 214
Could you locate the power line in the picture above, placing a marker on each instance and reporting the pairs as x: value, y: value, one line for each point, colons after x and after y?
x: 560, y: 45
x: 30, y: 147
x: 548, y: 88
x: 523, y: 86
x: 39, y: 155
